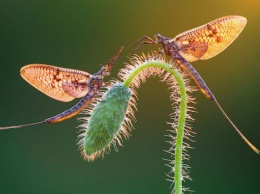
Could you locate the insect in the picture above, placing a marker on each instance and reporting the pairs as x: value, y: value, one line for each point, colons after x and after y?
x: 200, y: 43
x: 65, y: 85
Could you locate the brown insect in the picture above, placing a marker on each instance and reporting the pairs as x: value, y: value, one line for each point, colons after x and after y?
x: 201, y: 43
x: 65, y: 85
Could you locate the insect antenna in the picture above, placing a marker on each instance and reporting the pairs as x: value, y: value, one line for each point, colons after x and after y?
x: 237, y: 130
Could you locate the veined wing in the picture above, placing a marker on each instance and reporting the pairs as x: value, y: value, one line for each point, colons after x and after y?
x: 59, y: 83
x: 210, y: 39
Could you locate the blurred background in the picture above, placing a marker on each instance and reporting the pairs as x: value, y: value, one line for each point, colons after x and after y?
x: 83, y: 34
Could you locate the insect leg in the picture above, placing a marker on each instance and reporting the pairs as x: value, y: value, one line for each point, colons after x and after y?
x: 144, y: 40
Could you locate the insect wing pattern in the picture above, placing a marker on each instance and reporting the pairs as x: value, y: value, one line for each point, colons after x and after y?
x: 210, y: 39
x: 58, y: 83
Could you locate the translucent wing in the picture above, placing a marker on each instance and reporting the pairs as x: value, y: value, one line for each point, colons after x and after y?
x: 59, y: 83
x: 210, y: 39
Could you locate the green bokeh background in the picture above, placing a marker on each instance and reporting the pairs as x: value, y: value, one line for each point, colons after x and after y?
x: 83, y: 34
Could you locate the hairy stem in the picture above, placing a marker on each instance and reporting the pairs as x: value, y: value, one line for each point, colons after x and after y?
x: 182, y: 115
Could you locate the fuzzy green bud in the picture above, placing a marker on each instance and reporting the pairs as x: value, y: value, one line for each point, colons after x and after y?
x: 106, y: 119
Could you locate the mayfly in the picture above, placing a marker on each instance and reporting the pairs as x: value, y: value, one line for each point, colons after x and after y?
x: 201, y: 43
x: 64, y: 85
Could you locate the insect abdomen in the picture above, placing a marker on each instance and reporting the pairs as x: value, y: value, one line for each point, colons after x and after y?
x: 187, y: 67
x: 74, y: 110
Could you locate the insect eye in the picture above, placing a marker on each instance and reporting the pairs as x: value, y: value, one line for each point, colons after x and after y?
x: 158, y: 38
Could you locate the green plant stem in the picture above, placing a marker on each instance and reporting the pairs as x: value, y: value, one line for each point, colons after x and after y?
x: 182, y: 116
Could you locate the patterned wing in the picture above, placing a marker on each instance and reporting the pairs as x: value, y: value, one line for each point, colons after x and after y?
x: 210, y: 39
x: 59, y: 83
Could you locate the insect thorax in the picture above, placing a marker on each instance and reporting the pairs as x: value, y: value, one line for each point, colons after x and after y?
x: 169, y: 45
x: 96, y: 81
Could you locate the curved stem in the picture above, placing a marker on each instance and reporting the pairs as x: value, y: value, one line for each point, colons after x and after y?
x: 182, y: 116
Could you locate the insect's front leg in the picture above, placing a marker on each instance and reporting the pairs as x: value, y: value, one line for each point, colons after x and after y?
x: 144, y: 40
